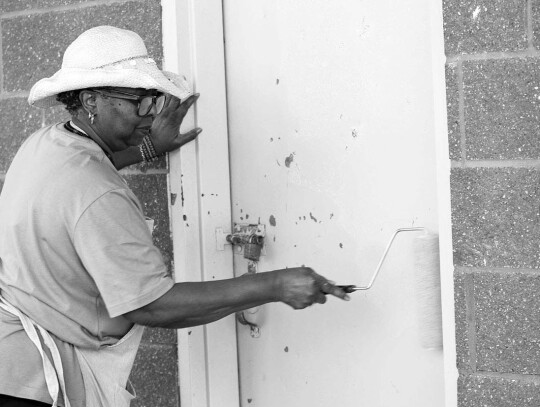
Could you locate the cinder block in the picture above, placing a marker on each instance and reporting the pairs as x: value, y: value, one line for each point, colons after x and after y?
x: 495, y: 217
x: 462, y: 332
x: 17, y: 121
x: 160, y: 336
x: 155, y: 376
x: 33, y: 45
x: 17, y: 5
x: 502, y: 108
x: 151, y: 189
x: 507, y: 311
x: 476, y: 391
x: 535, y: 17
x: 452, y: 103
x: 56, y: 114
x: 475, y: 26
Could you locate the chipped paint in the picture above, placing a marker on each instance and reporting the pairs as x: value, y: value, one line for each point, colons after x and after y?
x: 476, y: 12
x: 286, y: 349
x: 313, y: 217
x: 272, y: 220
x: 289, y: 160
x: 173, y: 198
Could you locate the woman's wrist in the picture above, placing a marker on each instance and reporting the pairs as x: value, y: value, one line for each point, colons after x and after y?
x: 148, y: 150
x: 275, y: 284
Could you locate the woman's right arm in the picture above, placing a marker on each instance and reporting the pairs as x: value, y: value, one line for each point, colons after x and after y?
x: 190, y: 304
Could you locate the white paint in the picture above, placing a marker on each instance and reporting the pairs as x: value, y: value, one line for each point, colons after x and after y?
x: 444, y: 204
x: 476, y: 12
x: 300, y: 76
x: 331, y: 71
x: 193, y: 45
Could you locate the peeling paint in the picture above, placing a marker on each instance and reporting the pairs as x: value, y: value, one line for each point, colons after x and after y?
x: 289, y: 160
x: 272, y: 220
x: 475, y: 13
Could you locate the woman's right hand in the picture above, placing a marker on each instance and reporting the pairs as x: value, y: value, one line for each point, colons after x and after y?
x: 301, y: 287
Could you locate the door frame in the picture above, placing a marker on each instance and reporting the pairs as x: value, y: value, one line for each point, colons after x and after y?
x: 200, y: 198
x: 193, y: 44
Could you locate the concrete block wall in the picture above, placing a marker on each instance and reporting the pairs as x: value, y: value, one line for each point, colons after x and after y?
x: 33, y: 36
x: 493, y: 95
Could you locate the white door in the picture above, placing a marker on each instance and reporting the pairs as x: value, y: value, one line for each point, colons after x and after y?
x: 331, y: 146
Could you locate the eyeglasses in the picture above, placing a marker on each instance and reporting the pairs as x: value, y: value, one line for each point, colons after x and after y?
x: 144, y: 103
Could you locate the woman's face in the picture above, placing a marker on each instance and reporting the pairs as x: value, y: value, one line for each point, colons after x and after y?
x: 117, y: 121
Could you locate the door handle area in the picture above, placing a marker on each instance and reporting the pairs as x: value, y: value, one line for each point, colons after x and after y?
x: 255, y: 330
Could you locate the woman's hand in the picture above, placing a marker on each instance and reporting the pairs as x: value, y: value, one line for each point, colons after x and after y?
x: 166, y: 126
x: 301, y: 287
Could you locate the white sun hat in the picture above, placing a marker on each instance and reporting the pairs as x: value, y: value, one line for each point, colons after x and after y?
x: 107, y: 56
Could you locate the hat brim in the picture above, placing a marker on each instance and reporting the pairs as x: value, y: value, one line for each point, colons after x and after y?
x: 141, y: 75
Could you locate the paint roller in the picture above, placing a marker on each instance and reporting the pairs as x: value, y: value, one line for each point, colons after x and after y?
x: 427, y: 282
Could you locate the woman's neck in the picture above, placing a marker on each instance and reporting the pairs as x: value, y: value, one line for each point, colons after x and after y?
x: 86, y: 128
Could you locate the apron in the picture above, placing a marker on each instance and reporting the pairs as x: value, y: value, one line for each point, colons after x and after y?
x: 54, y: 373
x: 105, y: 371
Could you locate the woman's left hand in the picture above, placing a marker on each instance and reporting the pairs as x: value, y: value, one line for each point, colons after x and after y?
x: 166, y: 134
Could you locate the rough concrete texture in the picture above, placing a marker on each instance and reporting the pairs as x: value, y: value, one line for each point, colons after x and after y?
x: 474, y: 26
x: 507, y: 309
x: 452, y: 103
x: 462, y: 332
x: 154, y: 376
x: 31, y: 53
x: 502, y: 108
x: 151, y: 189
x: 495, y: 217
x: 17, y: 5
x: 17, y: 121
x: 160, y: 336
x: 55, y: 114
x: 535, y: 18
x: 479, y: 391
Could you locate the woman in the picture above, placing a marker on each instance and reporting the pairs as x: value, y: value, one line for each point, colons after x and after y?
x: 79, y: 275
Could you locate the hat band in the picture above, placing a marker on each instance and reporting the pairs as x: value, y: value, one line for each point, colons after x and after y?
x: 149, y: 60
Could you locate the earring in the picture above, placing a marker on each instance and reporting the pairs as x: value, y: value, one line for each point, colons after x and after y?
x: 91, y: 116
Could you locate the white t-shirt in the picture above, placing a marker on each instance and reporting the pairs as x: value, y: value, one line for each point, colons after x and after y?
x: 75, y: 254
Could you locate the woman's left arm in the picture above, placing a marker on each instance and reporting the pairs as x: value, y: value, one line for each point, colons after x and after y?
x: 165, y: 133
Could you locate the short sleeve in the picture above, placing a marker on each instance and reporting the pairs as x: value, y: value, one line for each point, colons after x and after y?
x: 115, y: 246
